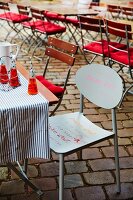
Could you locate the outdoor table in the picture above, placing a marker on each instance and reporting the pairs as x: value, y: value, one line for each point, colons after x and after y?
x: 67, y: 8
x: 23, y: 126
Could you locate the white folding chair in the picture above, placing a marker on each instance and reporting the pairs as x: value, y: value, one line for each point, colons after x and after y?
x: 73, y: 131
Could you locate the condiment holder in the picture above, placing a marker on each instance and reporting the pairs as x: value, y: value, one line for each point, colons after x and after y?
x: 32, y: 84
x: 8, y: 79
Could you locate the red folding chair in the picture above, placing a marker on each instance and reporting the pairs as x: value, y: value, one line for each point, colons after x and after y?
x: 63, y: 52
x: 123, y: 57
x: 14, y: 19
x: 71, y: 24
x: 113, y: 11
x: 93, y: 38
x: 42, y: 28
x: 127, y: 12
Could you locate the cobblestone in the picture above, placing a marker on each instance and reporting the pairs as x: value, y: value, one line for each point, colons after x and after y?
x: 91, y: 153
x: 49, y: 169
x: 73, y: 180
x: 45, y: 183
x: 91, y: 193
x: 130, y: 150
x: 126, y: 162
x: 126, y: 175
x: 12, y: 187
x: 126, y: 192
x: 31, y: 172
x: 3, y: 173
x: 76, y: 167
x: 109, y: 151
x: 102, y: 164
x: 53, y: 195
x: 125, y: 132
x: 98, y: 178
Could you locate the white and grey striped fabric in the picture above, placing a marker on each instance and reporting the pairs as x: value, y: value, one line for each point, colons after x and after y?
x: 23, y: 125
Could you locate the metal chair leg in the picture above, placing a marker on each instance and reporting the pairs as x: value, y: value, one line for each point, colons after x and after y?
x: 114, y: 125
x: 61, y: 176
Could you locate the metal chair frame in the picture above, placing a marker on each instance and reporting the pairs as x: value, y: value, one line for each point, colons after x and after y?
x: 73, y: 131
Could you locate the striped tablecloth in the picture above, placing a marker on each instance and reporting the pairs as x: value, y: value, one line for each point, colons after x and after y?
x: 23, y: 125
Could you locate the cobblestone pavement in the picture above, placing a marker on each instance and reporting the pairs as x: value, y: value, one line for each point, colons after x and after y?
x: 93, y: 177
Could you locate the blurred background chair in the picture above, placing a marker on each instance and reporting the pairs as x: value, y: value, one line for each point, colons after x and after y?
x: 123, y: 57
x: 94, y: 39
x: 41, y: 28
x: 73, y: 131
x: 14, y: 19
x: 92, y: 43
x: 113, y: 11
x: 126, y: 13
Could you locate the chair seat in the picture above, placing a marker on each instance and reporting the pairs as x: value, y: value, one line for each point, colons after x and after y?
x: 72, y: 131
x: 122, y: 57
x: 54, y: 16
x: 57, y: 90
x: 72, y: 20
x: 49, y: 28
x: 96, y: 46
x: 14, y: 17
x: 32, y: 24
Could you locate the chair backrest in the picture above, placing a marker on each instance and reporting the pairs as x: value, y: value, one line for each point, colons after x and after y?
x: 93, y: 4
x: 4, y: 6
x: 127, y: 12
x: 24, y: 10
x: 61, y: 50
x: 91, y: 28
x: 122, y: 30
x: 65, y: 52
x: 100, y: 84
x: 114, y: 10
x: 37, y: 14
x: 91, y: 23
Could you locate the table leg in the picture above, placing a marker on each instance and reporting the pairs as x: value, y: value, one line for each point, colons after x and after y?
x: 23, y: 176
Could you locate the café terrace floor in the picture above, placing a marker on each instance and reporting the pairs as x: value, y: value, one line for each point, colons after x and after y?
x: 93, y: 177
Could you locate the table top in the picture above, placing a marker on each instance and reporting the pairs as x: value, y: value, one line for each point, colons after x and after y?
x: 69, y: 8
x: 71, y: 11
